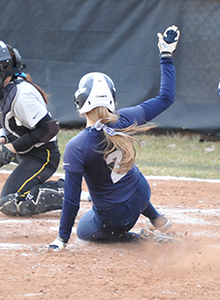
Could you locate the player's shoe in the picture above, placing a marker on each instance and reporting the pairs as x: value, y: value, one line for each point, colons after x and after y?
x: 162, y: 224
x: 157, y: 236
x: 7, y: 198
x: 10, y: 208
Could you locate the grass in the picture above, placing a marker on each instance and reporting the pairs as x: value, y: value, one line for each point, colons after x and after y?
x: 168, y: 155
x: 181, y: 156
x: 171, y: 154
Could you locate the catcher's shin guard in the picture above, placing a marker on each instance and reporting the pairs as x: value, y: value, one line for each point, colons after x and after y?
x: 41, y: 198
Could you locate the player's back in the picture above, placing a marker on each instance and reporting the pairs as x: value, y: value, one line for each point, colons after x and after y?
x: 84, y: 154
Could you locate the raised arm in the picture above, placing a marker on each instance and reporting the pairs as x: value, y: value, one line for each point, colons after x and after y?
x: 151, y: 108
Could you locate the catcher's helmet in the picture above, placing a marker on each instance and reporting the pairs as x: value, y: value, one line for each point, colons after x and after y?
x: 9, y: 65
x: 95, y: 89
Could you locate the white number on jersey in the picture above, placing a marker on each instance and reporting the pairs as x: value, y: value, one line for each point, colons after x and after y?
x: 115, y: 158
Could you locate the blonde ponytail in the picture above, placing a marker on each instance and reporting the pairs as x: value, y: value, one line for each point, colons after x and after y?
x: 117, y: 139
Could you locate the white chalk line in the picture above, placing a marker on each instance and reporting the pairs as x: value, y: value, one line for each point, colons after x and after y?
x: 190, y: 216
x: 10, y: 221
x: 62, y: 175
x: 181, y: 179
x: 177, y: 215
x: 12, y: 246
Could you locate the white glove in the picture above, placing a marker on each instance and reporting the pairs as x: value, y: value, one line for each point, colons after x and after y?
x: 168, y: 41
x: 58, y: 244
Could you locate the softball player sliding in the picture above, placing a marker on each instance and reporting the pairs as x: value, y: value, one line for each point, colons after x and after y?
x: 29, y: 137
x: 104, y: 154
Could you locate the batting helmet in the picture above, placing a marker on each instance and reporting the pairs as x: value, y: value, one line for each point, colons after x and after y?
x: 95, y: 89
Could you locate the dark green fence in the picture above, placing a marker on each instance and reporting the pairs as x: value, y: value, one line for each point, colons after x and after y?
x: 62, y: 40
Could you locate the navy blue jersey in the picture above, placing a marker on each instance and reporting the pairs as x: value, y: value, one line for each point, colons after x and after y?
x: 83, y: 159
x: 106, y: 187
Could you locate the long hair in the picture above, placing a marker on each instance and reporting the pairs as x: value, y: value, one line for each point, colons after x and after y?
x: 124, y: 142
x: 27, y: 77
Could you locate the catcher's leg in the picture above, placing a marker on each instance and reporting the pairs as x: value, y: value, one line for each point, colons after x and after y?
x: 41, y: 198
x: 31, y: 171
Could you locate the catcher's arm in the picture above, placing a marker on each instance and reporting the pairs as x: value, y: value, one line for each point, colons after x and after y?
x: 7, y: 154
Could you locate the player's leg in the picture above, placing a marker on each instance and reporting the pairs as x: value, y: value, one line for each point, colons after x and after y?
x: 157, y: 220
x: 162, y: 231
x: 115, y: 222
x: 88, y: 228
x: 93, y: 228
x: 26, y: 175
x: 25, y: 192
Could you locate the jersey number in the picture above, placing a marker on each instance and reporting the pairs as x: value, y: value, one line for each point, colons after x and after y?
x: 114, y: 159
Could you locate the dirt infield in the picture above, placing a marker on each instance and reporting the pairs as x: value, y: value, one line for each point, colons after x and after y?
x: 186, y: 270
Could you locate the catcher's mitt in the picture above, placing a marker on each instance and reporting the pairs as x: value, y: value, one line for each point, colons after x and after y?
x: 6, y: 155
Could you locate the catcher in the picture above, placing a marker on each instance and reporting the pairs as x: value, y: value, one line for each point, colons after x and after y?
x: 28, y: 137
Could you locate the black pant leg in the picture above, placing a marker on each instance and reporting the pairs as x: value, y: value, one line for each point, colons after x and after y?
x: 32, y: 170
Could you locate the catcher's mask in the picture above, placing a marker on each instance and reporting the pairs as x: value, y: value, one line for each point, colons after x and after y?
x: 9, y: 65
x: 95, y: 89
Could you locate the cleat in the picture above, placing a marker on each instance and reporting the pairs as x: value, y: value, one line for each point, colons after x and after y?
x: 7, y: 198
x: 157, y: 237
x: 8, y: 204
x: 10, y: 208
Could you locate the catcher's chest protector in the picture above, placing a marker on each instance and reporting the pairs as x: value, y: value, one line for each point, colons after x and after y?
x: 7, y: 118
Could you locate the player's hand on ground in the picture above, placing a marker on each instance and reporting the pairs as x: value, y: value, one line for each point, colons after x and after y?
x: 58, y: 244
x: 167, y: 42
